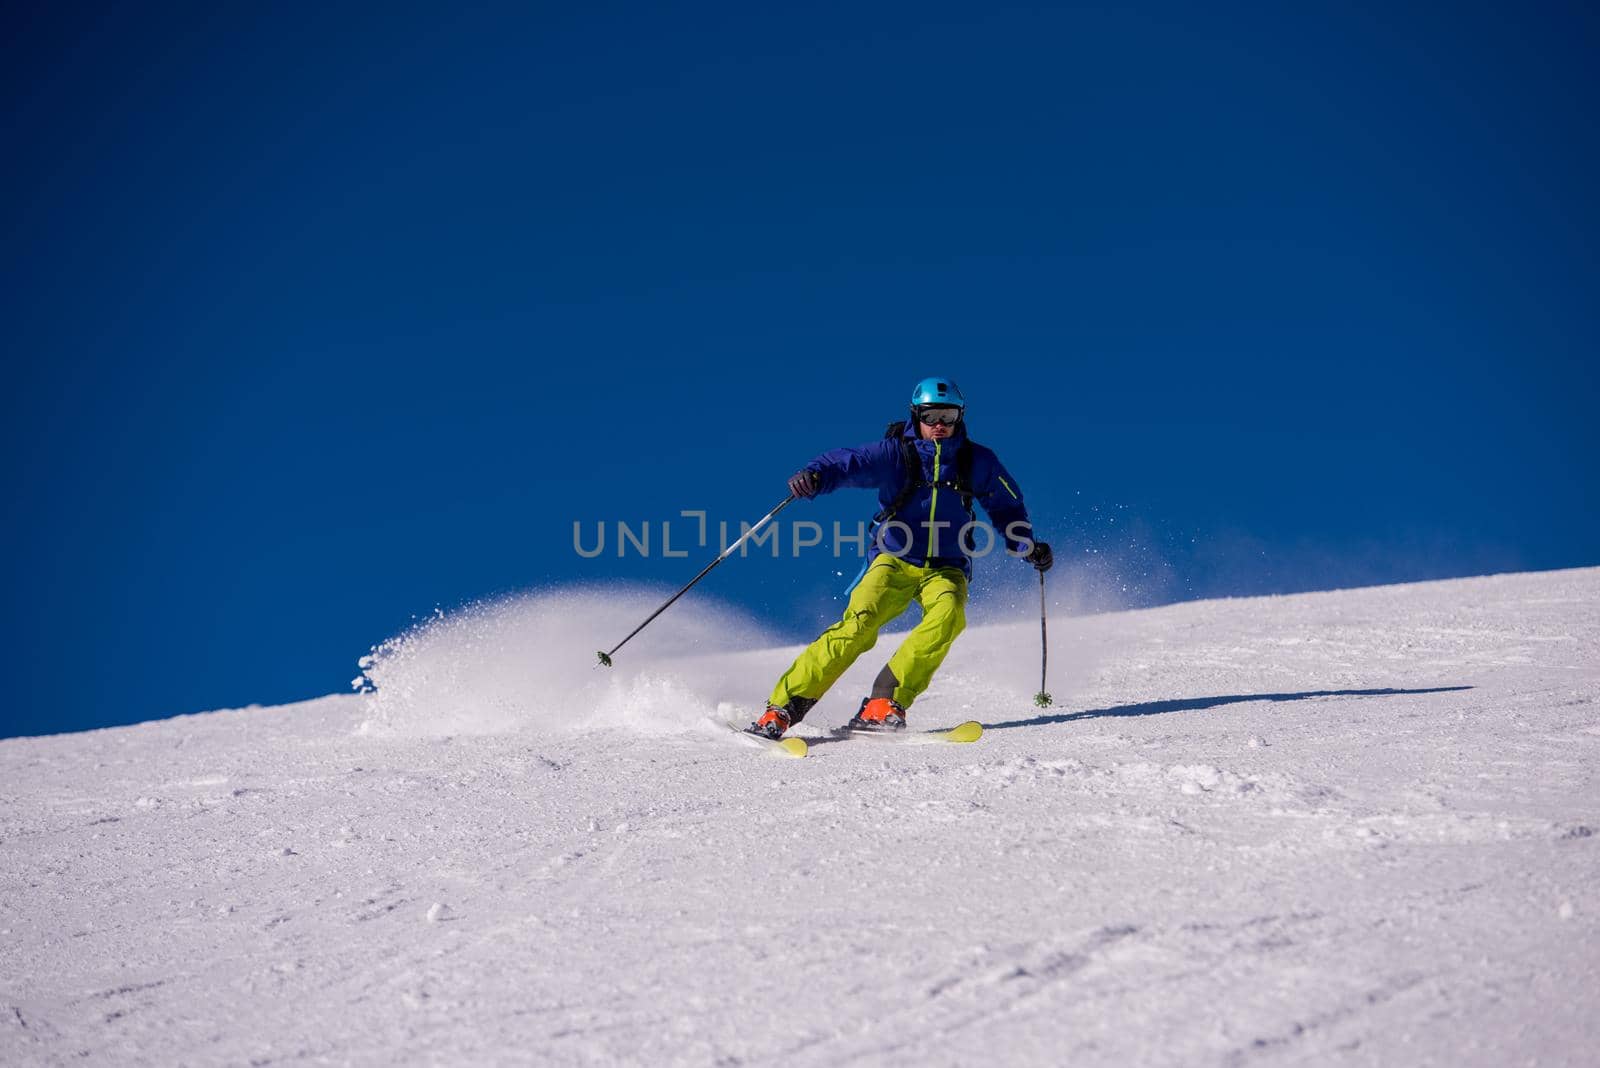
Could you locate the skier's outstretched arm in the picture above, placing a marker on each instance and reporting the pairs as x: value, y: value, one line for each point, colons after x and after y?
x: 997, y: 490
x: 866, y: 466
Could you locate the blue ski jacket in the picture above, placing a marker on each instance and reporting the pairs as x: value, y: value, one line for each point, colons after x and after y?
x: 926, y: 531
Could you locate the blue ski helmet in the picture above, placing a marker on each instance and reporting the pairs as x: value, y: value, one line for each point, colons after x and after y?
x: 937, y: 392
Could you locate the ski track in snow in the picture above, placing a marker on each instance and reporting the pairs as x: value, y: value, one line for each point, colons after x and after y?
x: 1356, y: 827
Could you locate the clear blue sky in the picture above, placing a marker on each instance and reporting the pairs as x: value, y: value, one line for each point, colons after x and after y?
x: 317, y: 318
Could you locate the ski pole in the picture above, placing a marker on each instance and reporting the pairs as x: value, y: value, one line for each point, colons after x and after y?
x: 1042, y: 698
x: 605, y: 658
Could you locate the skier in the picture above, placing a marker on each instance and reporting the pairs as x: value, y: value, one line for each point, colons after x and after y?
x: 921, y: 551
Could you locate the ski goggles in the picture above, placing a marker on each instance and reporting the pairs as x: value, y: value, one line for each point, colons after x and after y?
x: 939, y: 416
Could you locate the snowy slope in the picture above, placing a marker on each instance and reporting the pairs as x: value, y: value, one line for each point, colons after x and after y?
x: 1355, y: 827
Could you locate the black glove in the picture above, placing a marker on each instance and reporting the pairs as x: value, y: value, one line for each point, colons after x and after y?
x: 804, y: 484
x: 1040, y: 556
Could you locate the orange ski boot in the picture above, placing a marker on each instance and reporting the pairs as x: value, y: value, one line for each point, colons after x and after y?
x: 878, y: 714
x: 772, y: 723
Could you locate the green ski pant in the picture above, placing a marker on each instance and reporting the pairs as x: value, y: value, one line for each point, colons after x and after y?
x: 888, y: 587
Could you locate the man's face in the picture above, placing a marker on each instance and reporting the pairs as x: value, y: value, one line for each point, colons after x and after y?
x: 943, y: 426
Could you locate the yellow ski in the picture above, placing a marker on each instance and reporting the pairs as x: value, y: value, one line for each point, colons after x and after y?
x: 784, y: 747
x: 970, y: 731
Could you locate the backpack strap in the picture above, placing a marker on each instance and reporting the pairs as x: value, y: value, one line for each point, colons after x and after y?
x: 964, y: 474
x: 913, y: 465
x: 964, y: 489
x: 960, y: 482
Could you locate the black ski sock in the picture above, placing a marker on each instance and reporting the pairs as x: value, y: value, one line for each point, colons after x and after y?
x: 798, y: 707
